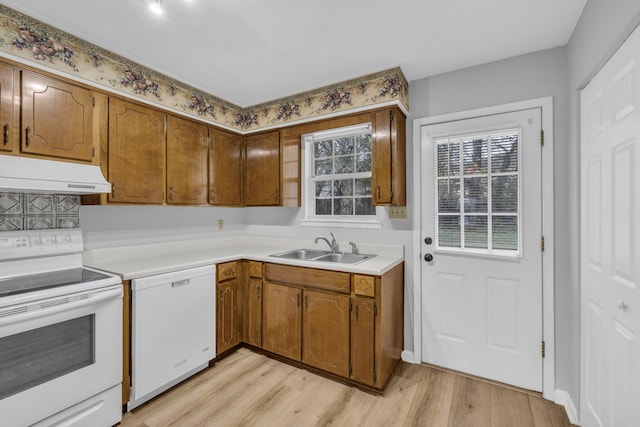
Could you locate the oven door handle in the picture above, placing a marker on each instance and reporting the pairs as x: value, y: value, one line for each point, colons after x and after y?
x: 56, y: 305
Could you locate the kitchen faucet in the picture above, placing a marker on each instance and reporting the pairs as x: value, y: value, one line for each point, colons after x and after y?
x: 333, y: 244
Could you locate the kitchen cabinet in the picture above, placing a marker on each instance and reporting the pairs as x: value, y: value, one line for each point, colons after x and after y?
x: 228, y: 328
x: 291, y: 158
x: 187, y: 176
x: 325, y: 331
x: 253, y: 304
x: 262, y: 169
x: 348, y: 325
x: 56, y: 117
x: 282, y: 320
x: 136, y: 153
x: 362, y: 340
x: 226, y: 169
x: 8, y: 117
x: 388, y: 151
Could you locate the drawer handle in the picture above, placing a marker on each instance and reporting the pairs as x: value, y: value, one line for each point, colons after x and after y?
x: 26, y: 136
x: 5, y: 134
x: 356, y: 311
x: 259, y: 291
x: 378, y: 193
x: 179, y: 283
x: 306, y: 301
x: 170, y: 193
x: 212, y: 195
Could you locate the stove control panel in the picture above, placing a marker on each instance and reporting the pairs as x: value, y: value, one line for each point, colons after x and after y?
x: 37, y: 243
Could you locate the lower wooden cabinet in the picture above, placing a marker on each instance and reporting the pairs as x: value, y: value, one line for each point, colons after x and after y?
x: 325, y: 331
x: 227, y: 325
x: 254, y: 312
x: 282, y: 320
x: 228, y: 315
x: 344, y: 324
x: 362, y: 340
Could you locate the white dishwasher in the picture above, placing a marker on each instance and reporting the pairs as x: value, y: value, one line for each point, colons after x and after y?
x: 173, y: 323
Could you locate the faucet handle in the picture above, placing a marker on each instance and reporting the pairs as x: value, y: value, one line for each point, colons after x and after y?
x: 354, y: 248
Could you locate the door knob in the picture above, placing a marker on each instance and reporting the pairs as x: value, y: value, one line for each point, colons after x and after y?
x: 428, y: 257
x: 428, y: 240
x: 622, y: 305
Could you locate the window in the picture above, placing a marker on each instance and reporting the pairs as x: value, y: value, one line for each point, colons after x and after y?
x: 478, y: 192
x: 338, y: 175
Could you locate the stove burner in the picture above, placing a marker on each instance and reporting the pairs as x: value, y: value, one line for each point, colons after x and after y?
x: 52, y: 279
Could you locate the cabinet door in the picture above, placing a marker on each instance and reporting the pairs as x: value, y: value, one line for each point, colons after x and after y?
x: 388, y: 158
x: 7, y: 116
x: 254, y: 312
x: 325, y: 332
x: 362, y: 341
x: 57, y: 118
x: 226, y: 309
x: 282, y: 320
x: 226, y: 155
x: 136, y: 153
x: 186, y: 162
x: 262, y: 185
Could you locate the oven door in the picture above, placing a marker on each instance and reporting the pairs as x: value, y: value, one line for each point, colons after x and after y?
x: 57, y: 352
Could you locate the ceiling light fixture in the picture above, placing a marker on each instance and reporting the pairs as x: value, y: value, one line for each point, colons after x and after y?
x: 156, y: 7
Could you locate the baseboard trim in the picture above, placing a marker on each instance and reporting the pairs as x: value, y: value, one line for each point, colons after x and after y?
x: 407, y: 356
x: 563, y: 398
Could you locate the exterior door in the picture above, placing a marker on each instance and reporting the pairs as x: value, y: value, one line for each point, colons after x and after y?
x: 481, y: 243
x: 610, y: 233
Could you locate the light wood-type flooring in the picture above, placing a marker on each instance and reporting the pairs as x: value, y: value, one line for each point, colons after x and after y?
x: 249, y: 389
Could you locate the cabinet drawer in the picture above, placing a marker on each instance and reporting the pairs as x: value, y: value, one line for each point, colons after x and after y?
x: 228, y: 270
x: 364, y: 285
x: 255, y: 269
x: 320, y: 279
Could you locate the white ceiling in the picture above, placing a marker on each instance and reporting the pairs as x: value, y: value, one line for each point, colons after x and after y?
x: 253, y: 51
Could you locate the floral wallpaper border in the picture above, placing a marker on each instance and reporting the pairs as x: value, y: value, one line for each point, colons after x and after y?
x: 34, y: 41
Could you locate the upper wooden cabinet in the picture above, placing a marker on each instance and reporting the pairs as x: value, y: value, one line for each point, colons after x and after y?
x: 226, y: 169
x: 8, y: 119
x: 262, y: 184
x: 57, y: 118
x: 136, y: 153
x: 186, y: 162
x: 388, y: 148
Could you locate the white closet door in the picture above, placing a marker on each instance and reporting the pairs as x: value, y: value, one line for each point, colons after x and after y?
x: 610, y: 237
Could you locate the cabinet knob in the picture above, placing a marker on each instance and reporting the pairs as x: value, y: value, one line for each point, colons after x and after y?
x: 27, y: 141
x: 212, y: 195
x: 5, y: 134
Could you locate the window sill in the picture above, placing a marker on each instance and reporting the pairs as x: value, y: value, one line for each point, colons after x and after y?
x: 340, y: 223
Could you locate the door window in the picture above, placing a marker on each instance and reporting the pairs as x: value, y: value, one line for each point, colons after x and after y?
x: 478, y: 192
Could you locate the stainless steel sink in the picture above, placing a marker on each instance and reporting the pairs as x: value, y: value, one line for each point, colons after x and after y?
x: 344, y: 258
x: 305, y: 254
x: 323, y: 256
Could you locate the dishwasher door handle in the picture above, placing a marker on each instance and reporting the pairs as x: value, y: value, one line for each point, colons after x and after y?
x: 179, y: 283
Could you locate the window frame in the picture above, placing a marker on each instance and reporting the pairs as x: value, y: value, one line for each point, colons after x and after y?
x: 489, y: 252
x: 308, y: 189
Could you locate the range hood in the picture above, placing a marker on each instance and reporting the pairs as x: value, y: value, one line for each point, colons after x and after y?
x: 29, y: 175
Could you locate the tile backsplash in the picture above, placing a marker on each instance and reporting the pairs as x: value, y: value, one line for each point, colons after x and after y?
x: 29, y: 211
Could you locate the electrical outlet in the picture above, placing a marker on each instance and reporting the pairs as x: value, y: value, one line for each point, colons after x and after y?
x: 220, y: 224
x: 398, y: 212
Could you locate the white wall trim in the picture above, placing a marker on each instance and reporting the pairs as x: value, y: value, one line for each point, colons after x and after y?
x: 407, y: 356
x: 548, y: 267
x: 563, y: 398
